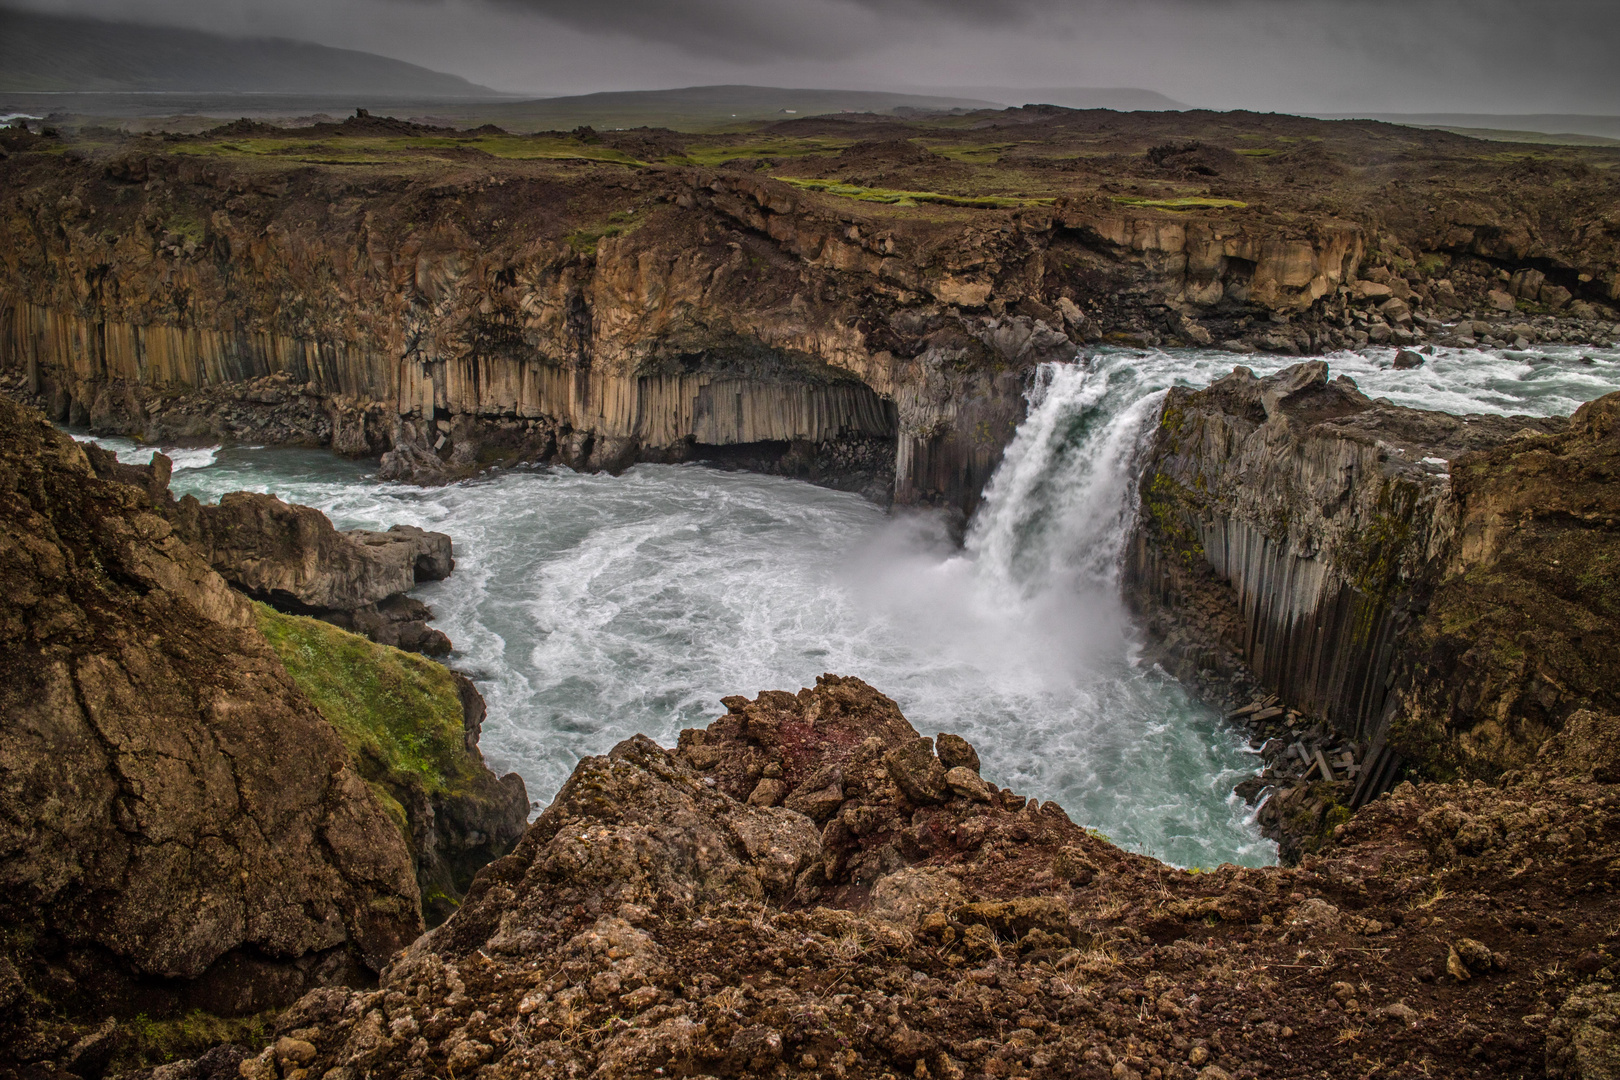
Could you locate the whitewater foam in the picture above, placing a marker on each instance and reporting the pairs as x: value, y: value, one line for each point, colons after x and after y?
x: 591, y: 607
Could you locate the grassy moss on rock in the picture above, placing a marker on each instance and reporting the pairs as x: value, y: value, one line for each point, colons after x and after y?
x: 403, y: 719
x: 397, y: 712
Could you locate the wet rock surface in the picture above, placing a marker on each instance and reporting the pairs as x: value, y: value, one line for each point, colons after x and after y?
x: 654, y: 920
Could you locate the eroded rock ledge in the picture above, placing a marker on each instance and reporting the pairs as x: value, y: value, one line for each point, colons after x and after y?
x: 665, y: 917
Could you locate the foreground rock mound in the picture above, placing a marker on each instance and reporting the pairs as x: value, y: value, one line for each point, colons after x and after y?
x: 179, y: 826
x: 808, y: 888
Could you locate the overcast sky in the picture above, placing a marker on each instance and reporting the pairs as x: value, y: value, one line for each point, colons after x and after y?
x: 1499, y: 56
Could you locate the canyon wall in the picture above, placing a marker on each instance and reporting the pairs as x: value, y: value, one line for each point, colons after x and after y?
x: 1298, y: 537
x: 466, y: 322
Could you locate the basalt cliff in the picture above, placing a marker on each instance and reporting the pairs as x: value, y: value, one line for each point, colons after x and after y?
x: 1435, y: 591
x: 856, y: 301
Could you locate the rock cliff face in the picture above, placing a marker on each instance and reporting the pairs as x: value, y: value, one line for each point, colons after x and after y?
x: 1522, y: 631
x: 1343, y: 554
x: 740, y: 312
x: 809, y: 889
x: 456, y: 814
x: 179, y: 827
x: 576, y: 300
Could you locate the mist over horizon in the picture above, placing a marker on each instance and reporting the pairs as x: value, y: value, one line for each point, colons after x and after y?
x: 1298, y: 56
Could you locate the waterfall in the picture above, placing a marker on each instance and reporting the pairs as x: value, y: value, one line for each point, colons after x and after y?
x: 1058, y: 512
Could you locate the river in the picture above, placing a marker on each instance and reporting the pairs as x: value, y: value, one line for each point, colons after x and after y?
x: 592, y: 607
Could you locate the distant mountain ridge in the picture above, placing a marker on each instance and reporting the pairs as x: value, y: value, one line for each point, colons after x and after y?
x: 1117, y: 98
x: 76, y: 54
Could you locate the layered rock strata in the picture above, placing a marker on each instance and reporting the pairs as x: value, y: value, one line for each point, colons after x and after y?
x: 179, y: 826
x: 1342, y: 553
x: 653, y: 922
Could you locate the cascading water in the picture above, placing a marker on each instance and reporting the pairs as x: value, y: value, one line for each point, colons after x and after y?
x: 590, y: 608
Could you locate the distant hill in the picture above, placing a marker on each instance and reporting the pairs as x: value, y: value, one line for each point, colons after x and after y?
x: 74, y: 54
x: 700, y: 107
x: 1118, y: 98
x: 1570, y: 129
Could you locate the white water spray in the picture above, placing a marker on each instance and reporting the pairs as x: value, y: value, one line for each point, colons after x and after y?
x: 590, y: 608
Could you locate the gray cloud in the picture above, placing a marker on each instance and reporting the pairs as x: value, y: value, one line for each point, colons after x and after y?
x: 1285, y: 55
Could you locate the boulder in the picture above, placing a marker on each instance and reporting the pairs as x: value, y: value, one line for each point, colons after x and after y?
x: 1500, y: 300
x: 1406, y: 360
x: 1526, y: 283
x: 1554, y: 296
x: 917, y: 772
x: 819, y: 797
x: 966, y: 783
x: 955, y: 751
x: 1396, y: 310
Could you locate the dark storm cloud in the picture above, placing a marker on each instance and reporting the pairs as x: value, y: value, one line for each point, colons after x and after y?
x: 1526, y: 33
x: 1503, y: 56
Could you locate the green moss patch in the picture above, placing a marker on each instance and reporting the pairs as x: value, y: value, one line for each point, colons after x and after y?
x: 398, y: 713
x: 584, y: 240
x: 895, y: 197
x: 145, y: 1042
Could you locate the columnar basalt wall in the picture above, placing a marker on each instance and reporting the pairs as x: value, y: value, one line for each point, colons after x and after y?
x: 1377, y: 568
x: 154, y: 296
x: 1291, y: 529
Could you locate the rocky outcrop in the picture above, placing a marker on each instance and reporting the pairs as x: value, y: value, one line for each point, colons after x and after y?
x: 1341, y: 553
x: 426, y: 766
x: 292, y: 558
x: 1521, y: 632
x: 655, y: 922
x: 179, y: 826
x: 411, y: 727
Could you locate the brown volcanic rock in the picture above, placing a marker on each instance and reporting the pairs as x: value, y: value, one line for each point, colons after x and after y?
x: 292, y: 558
x: 1522, y: 632
x: 178, y: 825
x: 291, y: 554
x: 646, y: 923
